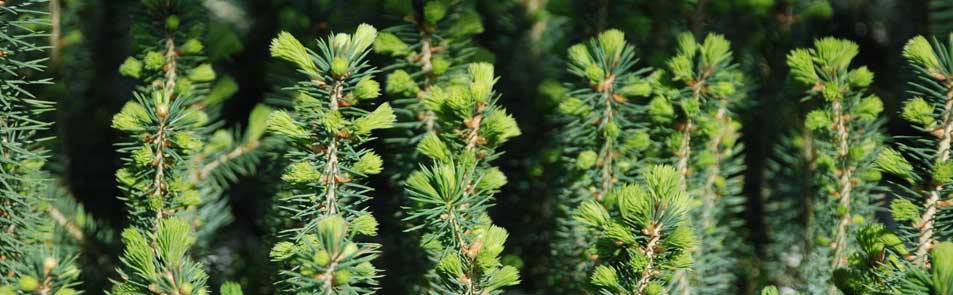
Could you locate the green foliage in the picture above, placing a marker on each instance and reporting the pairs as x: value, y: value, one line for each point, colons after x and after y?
x: 846, y: 150
x: 922, y: 162
x: 159, y: 261
x: 452, y: 195
x: 178, y: 162
x: 321, y: 217
x: 32, y: 260
x: 706, y: 151
x: 629, y: 180
x: 596, y: 116
x: 427, y: 53
x: 646, y: 240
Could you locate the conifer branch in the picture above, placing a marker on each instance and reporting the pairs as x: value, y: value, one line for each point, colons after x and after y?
x: 31, y: 262
x: 603, y: 129
x: 925, y: 241
x: 647, y: 240
x: 608, y: 153
x: 847, y: 132
x: 71, y: 227
x: 705, y: 86
x: 422, y: 63
x: 458, y: 188
x: 171, y: 206
x: 845, y: 186
x: 428, y: 52
x: 321, y: 213
x: 924, y: 163
x: 650, y: 272
x: 331, y: 172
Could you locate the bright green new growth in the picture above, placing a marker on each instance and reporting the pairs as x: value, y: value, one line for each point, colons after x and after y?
x: 846, y: 134
x: 429, y: 51
x: 321, y: 213
x: 159, y: 261
x: 921, y: 206
x: 930, y: 111
x: 287, y: 47
x: 454, y: 193
x: 648, y: 238
x: 704, y: 146
x: 31, y: 262
x: 177, y: 166
x: 604, y: 133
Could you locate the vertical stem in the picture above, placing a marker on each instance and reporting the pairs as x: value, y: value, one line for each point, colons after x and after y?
x: 56, y: 31
x: 159, y: 140
x: 171, y: 67
x: 846, y: 170
x: 684, y: 155
x: 925, y: 237
x: 426, y: 67
x: 608, y: 173
x: 472, y: 140
x: 331, y: 171
x: 685, y: 152
x: 649, y: 272
x: 709, y: 193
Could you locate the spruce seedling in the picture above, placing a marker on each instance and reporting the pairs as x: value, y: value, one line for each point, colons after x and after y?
x: 321, y: 205
x: 846, y: 129
x: 605, y: 136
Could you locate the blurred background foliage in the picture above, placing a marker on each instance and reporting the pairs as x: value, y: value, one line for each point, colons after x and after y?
x: 526, y: 39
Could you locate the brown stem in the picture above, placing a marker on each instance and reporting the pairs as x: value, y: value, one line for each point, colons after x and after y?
x: 160, y: 138
x: 426, y: 67
x: 331, y: 172
x: 650, y: 271
x: 473, y: 136
x: 71, y: 227
x: 685, y: 152
x: 607, y: 149
x: 684, y: 155
x: 925, y: 237
x: 845, y: 187
x: 56, y: 43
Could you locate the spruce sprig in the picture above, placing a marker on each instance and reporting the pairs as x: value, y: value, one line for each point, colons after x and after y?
x: 166, y: 180
x: 452, y: 195
x: 429, y: 50
x: 707, y: 86
x: 924, y: 163
x: 605, y: 134
x: 704, y: 77
x: 847, y: 136
x: 922, y: 169
x: 646, y: 240
x: 322, y: 201
x: 31, y: 262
